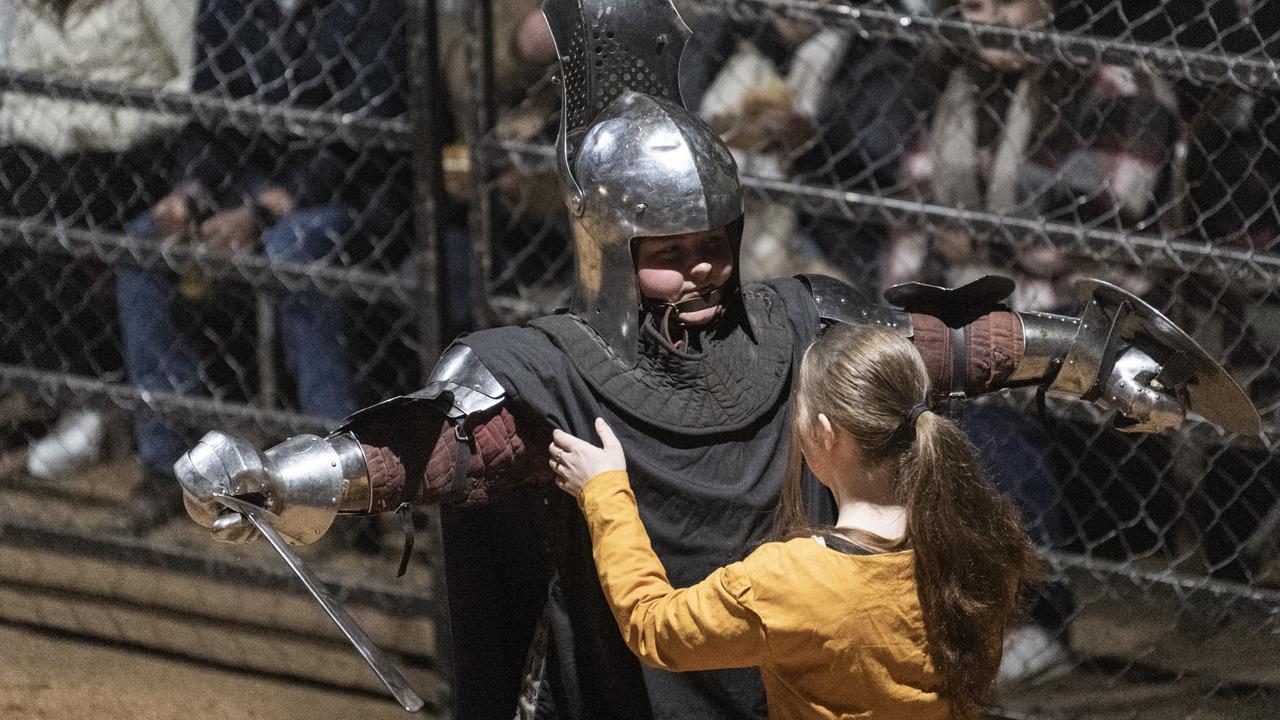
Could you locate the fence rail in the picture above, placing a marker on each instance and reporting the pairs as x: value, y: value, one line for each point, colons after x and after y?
x: 1044, y: 45
x: 1183, y: 528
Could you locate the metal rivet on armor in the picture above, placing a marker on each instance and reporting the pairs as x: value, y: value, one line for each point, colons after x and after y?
x: 640, y: 208
x: 662, y: 41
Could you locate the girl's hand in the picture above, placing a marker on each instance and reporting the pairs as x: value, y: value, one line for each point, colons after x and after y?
x: 575, y: 461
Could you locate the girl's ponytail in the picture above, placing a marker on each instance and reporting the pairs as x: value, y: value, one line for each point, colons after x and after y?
x: 971, y: 556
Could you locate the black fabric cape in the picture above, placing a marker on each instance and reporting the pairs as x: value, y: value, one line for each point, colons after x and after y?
x: 705, y: 500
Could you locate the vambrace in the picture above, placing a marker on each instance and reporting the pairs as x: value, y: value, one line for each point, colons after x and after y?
x: 968, y: 351
x: 1121, y: 354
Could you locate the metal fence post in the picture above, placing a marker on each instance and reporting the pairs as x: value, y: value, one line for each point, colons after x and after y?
x: 482, y: 119
x: 425, y: 106
x: 427, y: 102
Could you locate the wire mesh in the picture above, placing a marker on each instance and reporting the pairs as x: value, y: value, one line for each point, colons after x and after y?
x: 224, y: 213
x: 883, y: 142
x: 213, y: 214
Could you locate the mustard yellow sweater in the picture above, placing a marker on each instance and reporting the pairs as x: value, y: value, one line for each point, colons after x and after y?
x: 834, y: 635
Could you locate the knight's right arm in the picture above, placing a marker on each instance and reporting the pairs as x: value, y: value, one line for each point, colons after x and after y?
x: 457, y: 440
x: 424, y: 462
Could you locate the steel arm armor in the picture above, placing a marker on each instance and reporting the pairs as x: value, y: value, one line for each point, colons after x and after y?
x: 307, y: 480
x: 1120, y: 353
x: 304, y: 482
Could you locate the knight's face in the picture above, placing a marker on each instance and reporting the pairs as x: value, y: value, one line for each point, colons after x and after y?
x: 675, y: 268
x: 1024, y: 14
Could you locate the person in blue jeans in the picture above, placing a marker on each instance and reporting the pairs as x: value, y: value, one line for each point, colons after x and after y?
x: 299, y: 202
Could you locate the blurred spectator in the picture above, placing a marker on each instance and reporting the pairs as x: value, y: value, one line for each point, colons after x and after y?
x: 1233, y: 173
x: 762, y: 100
x: 530, y: 253
x: 299, y: 202
x: 864, y: 123
x: 79, y: 162
x: 1016, y: 138
x: 820, y: 106
x: 72, y: 163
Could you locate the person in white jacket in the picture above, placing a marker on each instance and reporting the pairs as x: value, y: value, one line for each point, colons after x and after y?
x: 69, y: 162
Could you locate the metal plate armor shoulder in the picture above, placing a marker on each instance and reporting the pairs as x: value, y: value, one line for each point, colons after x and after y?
x: 460, y: 379
x: 459, y: 386
x: 838, y: 302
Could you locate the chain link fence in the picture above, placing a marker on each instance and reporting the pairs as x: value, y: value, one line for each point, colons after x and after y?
x: 252, y: 215
x: 213, y: 214
x: 933, y: 141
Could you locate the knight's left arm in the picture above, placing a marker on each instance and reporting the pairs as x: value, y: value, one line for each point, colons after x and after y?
x: 1120, y: 353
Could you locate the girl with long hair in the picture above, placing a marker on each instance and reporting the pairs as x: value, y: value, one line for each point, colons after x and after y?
x: 895, y: 611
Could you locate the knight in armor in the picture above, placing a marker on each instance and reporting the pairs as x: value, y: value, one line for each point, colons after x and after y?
x: 693, y: 371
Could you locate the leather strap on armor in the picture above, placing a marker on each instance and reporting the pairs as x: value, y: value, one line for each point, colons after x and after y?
x: 959, y: 373
x: 405, y: 513
x: 461, y: 463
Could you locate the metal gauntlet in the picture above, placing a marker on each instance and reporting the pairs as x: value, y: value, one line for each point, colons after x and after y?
x: 1127, y: 357
x: 303, y: 482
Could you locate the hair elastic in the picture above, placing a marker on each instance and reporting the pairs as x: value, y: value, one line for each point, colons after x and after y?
x: 914, y: 414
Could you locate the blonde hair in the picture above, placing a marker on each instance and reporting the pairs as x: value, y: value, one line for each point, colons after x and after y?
x: 971, y: 552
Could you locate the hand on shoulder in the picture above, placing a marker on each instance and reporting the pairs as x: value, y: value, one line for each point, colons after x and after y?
x: 575, y: 461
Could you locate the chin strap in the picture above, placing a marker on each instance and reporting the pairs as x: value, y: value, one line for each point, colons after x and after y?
x: 670, y: 312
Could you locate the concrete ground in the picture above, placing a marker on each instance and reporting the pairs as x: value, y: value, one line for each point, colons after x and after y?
x: 49, y: 676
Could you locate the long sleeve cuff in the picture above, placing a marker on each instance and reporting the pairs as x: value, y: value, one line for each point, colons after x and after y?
x: 600, y: 488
